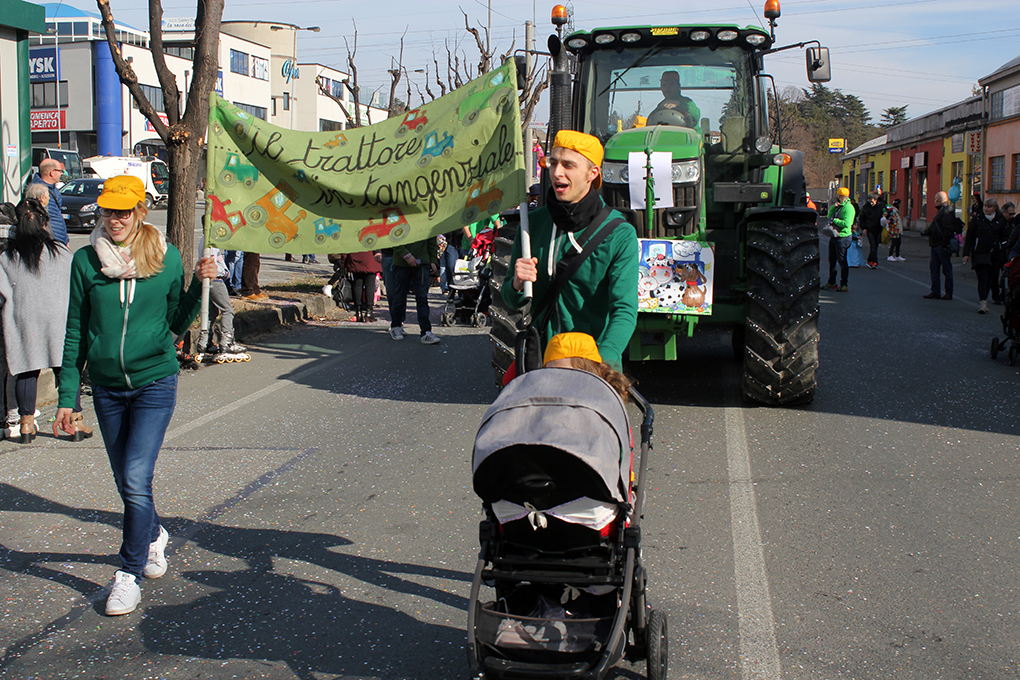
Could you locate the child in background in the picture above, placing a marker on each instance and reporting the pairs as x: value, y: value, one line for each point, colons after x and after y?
x: 219, y: 305
x: 578, y: 350
x: 891, y: 223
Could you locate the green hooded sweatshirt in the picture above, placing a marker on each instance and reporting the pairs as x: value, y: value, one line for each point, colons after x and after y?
x: 124, y: 328
x: 841, y: 215
x: 600, y: 299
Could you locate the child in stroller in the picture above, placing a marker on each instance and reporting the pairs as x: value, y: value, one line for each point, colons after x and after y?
x: 469, y: 295
x: 1011, y: 309
x: 560, y: 544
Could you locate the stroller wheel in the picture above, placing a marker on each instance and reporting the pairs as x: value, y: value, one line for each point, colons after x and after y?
x: 657, y: 635
x: 1014, y: 350
x: 444, y: 319
x: 478, y: 320
x: 995, y: 347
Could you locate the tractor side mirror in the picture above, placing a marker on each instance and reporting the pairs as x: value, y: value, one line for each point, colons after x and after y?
x: 818, y: 65
x: 521, y: 63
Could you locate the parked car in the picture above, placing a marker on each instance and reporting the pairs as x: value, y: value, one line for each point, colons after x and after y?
x: 79, y: 198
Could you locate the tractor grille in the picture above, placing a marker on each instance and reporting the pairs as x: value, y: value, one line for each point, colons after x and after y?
x: 681, y: 220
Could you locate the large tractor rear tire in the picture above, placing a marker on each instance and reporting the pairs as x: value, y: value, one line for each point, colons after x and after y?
x: 781, y: 336
x: 503, y: 334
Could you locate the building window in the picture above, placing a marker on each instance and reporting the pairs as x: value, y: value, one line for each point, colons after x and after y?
x: 881, y: 179
x: 286, y: 101
x: 997, y: 173
x: 44, y: 95
x: 274, y: 107
x: 257, y: 111
x: 995, y: 112
x: 179, y: 51
x: 871, y: 180
x: 329, y: 125
x: 892, y: 181
x: 239, y: 62
x: 1016, y: 172
x: 259, y: 68
x: 957, y: 171
x: 154, y: 95
x: 338, y: 89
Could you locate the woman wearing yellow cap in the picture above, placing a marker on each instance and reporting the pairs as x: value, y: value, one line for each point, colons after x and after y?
x: 127, y: 304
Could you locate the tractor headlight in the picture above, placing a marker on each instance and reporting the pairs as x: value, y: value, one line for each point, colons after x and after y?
x: 763, y: 144
x: 615, y: 173
x: 686, y: 172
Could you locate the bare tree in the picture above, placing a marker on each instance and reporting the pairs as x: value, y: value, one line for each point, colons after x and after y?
x: 350, y: 83
x: 184, y: 135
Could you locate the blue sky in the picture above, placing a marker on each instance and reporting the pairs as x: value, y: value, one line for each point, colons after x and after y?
x: 924, y: 54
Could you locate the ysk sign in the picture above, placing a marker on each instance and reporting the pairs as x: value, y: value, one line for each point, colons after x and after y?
x: 43, y: 64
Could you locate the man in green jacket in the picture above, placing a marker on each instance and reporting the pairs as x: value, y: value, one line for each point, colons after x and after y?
x: 601, y: 297
x: 841, y: 219
x: 412, y: 265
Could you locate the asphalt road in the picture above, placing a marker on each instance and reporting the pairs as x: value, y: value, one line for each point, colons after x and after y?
x: 324, y: 524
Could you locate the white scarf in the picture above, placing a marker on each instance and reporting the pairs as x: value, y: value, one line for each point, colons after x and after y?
x: 117, y: 262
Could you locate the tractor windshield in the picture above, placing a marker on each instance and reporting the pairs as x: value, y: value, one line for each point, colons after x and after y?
x: 696, y: 87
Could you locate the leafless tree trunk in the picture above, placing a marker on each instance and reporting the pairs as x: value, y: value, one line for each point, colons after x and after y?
x: 185, y: 135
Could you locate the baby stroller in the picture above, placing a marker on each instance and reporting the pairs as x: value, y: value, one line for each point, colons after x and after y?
x: 1010, y: 312
x: 560, y: 542
x: 469, y: 296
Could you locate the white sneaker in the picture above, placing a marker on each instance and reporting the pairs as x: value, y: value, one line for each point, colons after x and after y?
x: 428, y: 338
x: 891, y: 258
x: 327, y: 290
x: 125, y: 595
x: 155, y: 566
x: 900, y: 259
x: 397, y: 332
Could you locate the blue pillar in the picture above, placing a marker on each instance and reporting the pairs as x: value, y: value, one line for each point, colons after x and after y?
x: 109, y: 130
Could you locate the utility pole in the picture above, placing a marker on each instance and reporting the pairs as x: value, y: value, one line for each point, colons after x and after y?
x: 529, y: 47
x: 488, y: 30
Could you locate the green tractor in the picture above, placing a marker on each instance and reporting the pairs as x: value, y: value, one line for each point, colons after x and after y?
x: 731, y: 240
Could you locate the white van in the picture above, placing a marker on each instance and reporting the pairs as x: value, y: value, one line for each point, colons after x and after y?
x: 152, y: 171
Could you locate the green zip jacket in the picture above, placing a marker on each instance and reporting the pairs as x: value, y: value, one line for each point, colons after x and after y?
x: 600, y: 299
x: 841, y: 215
x: 124, y: 329
x: 422, y: 250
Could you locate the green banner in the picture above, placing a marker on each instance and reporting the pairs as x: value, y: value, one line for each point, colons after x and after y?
x: 448, y: 163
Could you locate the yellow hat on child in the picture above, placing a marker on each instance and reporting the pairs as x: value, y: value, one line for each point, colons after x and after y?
x: 569, y: 345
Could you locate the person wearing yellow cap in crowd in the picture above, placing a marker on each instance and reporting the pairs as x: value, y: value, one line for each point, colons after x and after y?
x: 127, y: 303
x: 841, y: 219
x: 578, y: 350
x: 600, y: 299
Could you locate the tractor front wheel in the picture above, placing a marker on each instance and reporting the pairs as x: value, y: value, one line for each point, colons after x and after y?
x: 781, y: 333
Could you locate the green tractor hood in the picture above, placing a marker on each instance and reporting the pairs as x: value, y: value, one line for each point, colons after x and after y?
x: 683, y: 143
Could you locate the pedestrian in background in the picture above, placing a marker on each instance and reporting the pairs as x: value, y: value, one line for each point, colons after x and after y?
x: 939, y: 231
x: 35, y: 269
x: 250, y: 289
x: 127, y: 303
x: 983, y: 247
x: 412, y: 265
x: 841, y: 219
x: 50, y: 172
x: 234, y: 260
x: 871, y: 226
x: 363, y: 269
x: 891, y: 223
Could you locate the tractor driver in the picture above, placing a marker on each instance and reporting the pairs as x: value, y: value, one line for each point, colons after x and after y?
x: 675, y: 101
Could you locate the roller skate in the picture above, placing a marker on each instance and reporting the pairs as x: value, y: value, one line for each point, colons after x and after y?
x: 230, y: 351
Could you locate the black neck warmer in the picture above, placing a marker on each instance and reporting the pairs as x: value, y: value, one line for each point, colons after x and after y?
x: 574, y: 216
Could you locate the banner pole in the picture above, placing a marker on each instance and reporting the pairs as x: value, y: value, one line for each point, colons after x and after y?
x: 525, y: 247
x: 203, y: 323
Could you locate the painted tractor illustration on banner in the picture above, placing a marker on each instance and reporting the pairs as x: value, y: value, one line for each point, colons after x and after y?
x: 434, y: 147
x: 218, y: 213
x: 236, y: 169
x: 479, y: 201
x: 393, y: 225
x: 414, y: 120
x: 339, y: 140
x: 271, y: 209
x: 242, y: 124
x: 324, y: 228
x: 496, y: 92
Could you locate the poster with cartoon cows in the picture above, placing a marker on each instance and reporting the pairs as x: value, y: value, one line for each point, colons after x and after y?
x: 676, y: 277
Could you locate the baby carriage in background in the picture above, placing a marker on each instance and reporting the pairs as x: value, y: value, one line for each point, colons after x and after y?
x: 560, y: 542
x: 469, y: 297
x: 1010, y: 313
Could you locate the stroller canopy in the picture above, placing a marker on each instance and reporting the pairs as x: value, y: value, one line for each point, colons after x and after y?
x: 568, y: 410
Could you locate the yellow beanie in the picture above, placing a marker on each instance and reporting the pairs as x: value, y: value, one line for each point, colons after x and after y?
x: 569, y: 345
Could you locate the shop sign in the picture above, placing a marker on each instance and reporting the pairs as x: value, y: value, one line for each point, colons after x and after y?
x: 905, y: 162
x: 162, y: 117
x: 179, y: 24
x: 43, y: 64
x: 289, y: 70
x: 837, y: 145
x: 920, y: 158
x: 974, y: 143
x: 46, y: 120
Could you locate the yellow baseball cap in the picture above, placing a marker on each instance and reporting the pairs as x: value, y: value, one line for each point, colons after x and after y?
x: 569, y: 345
x: 586, y: 145
x: 122, y: 192
x: 842, y: 191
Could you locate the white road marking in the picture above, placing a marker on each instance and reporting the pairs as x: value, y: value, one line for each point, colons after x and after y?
x: 759, y: 655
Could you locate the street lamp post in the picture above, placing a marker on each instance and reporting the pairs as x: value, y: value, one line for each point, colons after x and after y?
x: 293, y: 55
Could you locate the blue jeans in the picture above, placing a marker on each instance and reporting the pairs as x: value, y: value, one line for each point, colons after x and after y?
x: 415, y: 279
x: 447, y: 263
x: 940, y: 261
x: 133, y: 423
x: 234, y: 260
x: 838, y: 248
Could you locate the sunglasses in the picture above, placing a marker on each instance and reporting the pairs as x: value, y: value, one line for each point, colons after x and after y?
x: 119, y: 214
